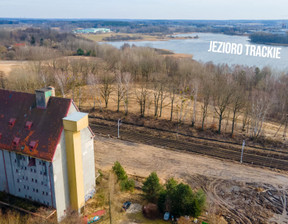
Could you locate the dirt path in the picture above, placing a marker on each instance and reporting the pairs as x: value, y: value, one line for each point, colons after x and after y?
x: 231, y: 188
x: 139, y: 159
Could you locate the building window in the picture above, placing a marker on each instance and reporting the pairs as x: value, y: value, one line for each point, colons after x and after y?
x: 26, y: 178
x: 32, y: 180
x: 16, y: 170
x: 46, y: 193
x: 35, y: 180
x: 19, y: 190
x: 37, y: 190
x: 24, y: 187
x: 17, y: 180
x: 27, y: 187
x: 33, y: 189
x: 32, y: 162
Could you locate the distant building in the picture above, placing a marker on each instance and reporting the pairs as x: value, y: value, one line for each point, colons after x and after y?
x: 92, y: 30
x: 19, y: 45
x: 46, y: 150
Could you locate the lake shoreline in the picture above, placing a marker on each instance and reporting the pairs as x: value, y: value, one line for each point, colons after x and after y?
x: 199, y: 49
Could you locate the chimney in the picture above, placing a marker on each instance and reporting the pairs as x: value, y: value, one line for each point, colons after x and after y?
x: 43, y: 95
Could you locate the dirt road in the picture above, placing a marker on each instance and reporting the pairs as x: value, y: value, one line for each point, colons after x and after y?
x: 239, y: 193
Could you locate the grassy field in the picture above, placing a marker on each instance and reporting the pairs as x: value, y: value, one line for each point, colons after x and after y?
x: 99, y: 37
x: 7, y: 66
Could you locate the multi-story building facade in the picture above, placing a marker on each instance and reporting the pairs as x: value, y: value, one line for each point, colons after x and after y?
x: 46, y: 150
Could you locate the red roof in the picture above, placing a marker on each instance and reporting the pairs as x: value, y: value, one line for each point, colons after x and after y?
x: 47, y: 126
x: 19, y: 45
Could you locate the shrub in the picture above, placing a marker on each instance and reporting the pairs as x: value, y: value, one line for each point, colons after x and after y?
x: 80, y: 51
x: 119, y: 171
x: 180, y: 200
x: 127, y: 185
x: 152, y: 188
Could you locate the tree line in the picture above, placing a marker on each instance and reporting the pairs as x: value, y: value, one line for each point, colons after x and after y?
x: 165, y: 82
x: 269, y: 38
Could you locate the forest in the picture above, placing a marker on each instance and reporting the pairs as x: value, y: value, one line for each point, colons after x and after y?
x: 268, y: 38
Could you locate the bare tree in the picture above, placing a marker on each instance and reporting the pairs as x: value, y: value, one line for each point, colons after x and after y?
x: 206, y: 93
x: 246, y: 116
x: 195, y: 96
x: 60, y: 69
x: 120, y: 88
x: 159, y: 84
x: 222, y: 97
x: 127, y: 79
x: 261, y: 103
x: 172, y: 94
x: 238, y: 102
x: 142, y: 95
x: 106, y: 87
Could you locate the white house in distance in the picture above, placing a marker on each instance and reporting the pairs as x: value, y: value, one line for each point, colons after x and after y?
x: 46, y: 150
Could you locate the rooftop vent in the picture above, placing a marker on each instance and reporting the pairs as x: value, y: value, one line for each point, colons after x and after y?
x: 32, y: 145
x: 16, y: 141
x: 43, y: 95
x: 12, y: 122
x: 52, y: 90
x: 28, y: 125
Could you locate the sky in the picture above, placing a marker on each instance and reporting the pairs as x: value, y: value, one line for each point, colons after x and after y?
x: 145, y: 9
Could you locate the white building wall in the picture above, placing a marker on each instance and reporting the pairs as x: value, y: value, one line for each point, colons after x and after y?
x: 60, y: 179
x: 30, y: 182
x: 3, y: 181
x: 87, y: 145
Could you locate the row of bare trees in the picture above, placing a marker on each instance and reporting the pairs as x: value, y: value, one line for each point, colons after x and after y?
x: 184, y: 87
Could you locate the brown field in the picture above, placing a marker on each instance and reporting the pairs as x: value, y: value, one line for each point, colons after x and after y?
x: 99, y: 37
x: 239, y: 193
x: 145, y: 37
x: 7, y: 66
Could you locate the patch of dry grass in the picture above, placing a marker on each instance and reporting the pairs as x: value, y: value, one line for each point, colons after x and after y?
x: 7, y: 66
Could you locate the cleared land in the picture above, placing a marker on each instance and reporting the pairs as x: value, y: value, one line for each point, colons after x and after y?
x: 239, y: 193
x: 262, y: 157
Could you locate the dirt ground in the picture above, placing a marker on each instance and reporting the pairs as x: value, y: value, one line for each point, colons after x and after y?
x: 238, y: 193
x: 7, y: 66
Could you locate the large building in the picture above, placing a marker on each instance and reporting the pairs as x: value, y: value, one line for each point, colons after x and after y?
x: 92, y: 30
x: 46, y: 150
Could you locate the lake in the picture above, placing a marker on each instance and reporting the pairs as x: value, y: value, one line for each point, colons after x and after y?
x: 199, y: 49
